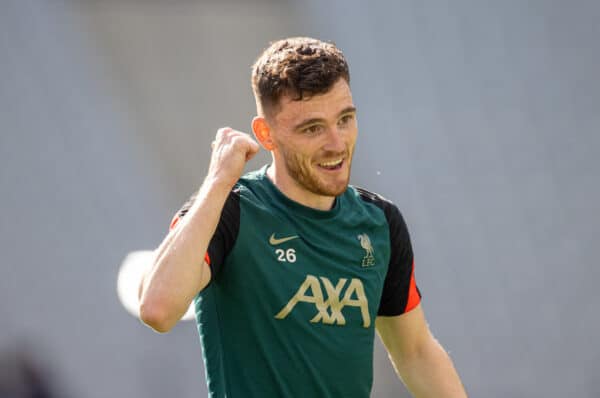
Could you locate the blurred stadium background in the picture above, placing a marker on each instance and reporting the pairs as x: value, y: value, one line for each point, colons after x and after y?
x: 480, y: 119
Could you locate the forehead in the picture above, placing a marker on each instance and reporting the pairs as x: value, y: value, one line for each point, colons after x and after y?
x: 322, y: 106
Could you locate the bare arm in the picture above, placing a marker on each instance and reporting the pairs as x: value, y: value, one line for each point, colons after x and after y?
x: 419, y: 360
x: 179, y: 271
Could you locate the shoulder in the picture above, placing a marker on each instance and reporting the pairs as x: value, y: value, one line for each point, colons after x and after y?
x: 369, y: 196
x: 373, y: 198
x: 392, y: 213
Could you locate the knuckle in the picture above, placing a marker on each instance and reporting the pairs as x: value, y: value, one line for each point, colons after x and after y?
x: 237, y: 140
x: 223, y: 131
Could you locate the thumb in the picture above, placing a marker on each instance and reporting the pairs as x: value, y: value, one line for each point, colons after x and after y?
x: 253, y: 149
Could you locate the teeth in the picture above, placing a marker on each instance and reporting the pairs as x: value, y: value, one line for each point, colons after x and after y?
x: 332, y: 163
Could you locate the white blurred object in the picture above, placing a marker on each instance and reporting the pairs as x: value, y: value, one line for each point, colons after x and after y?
x: 132, y: 268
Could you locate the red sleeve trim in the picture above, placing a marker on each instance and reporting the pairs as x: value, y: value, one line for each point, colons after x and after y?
x: 414, y: 298
x: 174, y: 222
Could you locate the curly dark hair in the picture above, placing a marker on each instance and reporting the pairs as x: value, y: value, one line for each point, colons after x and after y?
x: 298, y: 67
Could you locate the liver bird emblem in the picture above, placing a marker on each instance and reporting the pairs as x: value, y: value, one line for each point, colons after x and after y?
x: 368, y: 260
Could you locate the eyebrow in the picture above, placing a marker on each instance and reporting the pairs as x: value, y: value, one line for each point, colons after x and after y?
x: 304, y: 123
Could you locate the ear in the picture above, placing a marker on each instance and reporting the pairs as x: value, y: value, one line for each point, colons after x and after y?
x: 262, y: 132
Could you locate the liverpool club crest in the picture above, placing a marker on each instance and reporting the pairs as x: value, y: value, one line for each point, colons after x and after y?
x: 368, y: 260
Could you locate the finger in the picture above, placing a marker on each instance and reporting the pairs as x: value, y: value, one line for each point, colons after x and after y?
x: 253, y: 149
x: 223, y: 132
x: 227, y: 134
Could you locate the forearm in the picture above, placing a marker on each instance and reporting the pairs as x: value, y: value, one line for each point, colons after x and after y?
x: 429, y: 372
x: 178, y: 271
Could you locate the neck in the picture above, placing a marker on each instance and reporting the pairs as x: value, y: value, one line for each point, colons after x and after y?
x: 294, y: 191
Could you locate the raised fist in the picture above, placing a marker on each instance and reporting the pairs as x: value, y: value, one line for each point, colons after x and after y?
x: 231, y: 149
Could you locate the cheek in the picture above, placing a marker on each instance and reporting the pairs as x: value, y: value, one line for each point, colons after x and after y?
x: 295, y: 157
x: 352, y: 140
x: 353, y: 134
x: 304, y: 152
x: 303, y: 161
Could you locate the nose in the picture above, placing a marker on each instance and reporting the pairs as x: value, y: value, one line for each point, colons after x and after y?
x: 336, y: 141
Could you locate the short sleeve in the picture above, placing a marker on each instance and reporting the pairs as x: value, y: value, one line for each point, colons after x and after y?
x: 225, y: 234
x: 400, y: 291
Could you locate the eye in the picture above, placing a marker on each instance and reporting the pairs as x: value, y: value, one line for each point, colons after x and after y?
x: 313, y: 129
x: 344, y: 120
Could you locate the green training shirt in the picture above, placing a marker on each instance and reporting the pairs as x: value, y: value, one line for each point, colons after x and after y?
x: 290, y: 309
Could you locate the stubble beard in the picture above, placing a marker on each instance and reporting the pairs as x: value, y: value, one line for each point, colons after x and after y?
x: 306, y: 177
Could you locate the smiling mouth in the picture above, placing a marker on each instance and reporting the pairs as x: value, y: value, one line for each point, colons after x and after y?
x: 335, y: 164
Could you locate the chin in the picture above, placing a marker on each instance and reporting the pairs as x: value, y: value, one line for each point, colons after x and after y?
x: 337, y: 187
x: 333, y: 189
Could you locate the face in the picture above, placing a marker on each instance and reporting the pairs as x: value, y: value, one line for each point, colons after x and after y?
x: 314, y: 141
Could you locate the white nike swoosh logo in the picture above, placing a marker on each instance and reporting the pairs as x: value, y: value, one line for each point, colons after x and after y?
x: 274, y: 241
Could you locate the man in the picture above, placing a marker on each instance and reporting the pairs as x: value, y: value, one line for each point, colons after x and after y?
x: 292, y: 269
